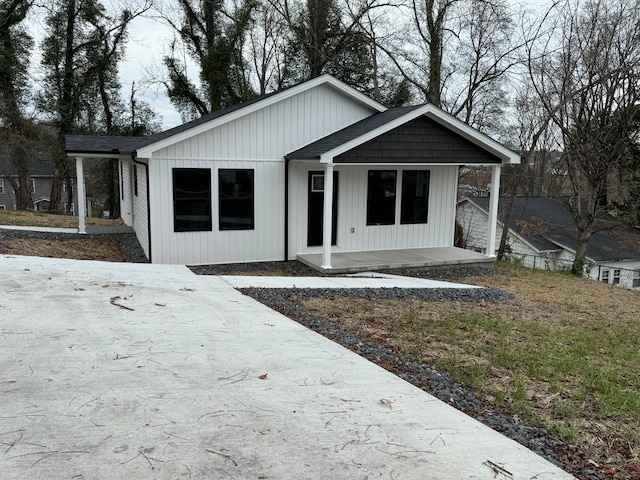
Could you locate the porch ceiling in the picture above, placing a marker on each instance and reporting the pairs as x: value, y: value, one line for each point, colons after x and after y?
x: 348, y: 262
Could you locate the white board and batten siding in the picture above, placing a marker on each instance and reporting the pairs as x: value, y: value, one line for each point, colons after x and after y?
x: 263, y: 243
x: 273, y: 131
x: 259, y: 141
x: 352, y: 208
x: 140, y: 207
x: 126, y: 192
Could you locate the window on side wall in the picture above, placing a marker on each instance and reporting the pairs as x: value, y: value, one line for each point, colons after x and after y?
x: 604, y: 276
x: 415, y: 196
x: 236, y: 199
x: 381, y: 197
x: 616, y: 276
x: 636, y: 279
x: 191, y: 199
x: 1, y: 186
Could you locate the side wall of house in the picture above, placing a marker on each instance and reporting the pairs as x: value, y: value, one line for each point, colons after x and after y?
x: 140, y: 206
x: 126, y: 191
x: 353, y: 234
x: 257, y: 141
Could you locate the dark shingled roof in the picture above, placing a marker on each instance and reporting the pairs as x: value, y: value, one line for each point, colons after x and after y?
x: 547, y: 225
x: 37, y: 167
x: 314, y: 150
x: 101, y: 145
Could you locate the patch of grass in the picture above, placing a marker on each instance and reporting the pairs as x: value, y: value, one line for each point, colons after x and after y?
x: 565, y: 354
x: 37, y: 219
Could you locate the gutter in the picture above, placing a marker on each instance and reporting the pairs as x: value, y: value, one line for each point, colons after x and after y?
x: 146, y: 170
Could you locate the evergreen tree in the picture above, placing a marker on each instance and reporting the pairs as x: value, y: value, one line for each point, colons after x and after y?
x: 214, y: 38
x: 15, y: 129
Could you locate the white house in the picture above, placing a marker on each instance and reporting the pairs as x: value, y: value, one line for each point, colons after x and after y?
x: 542, y: 234
x: 318, y: 172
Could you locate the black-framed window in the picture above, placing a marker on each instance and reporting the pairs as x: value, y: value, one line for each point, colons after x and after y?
x: 414, y: 205
x: 191, y: 199
x: 381, y: 197
x: 236, y: 199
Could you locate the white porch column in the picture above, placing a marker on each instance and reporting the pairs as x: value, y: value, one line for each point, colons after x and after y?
x: 327, y: 216
x: 494, y: 196
x: 81, y: 196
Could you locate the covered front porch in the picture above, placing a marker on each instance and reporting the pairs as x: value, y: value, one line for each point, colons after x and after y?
x: 350, y: 262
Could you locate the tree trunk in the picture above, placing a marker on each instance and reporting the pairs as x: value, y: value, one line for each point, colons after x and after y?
x: 506, y: 221
x: 67, y: 109
x: 579, y: 262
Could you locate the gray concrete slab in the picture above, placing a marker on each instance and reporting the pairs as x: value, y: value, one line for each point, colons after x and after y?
x: 90, y: 229
x: 39, y: 229
x: 370, y: 280
x: 403, y: 258
x: 138, y: 371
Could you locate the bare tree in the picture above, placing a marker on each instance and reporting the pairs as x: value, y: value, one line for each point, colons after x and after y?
x: 587, y: 77
x: 486, y: 49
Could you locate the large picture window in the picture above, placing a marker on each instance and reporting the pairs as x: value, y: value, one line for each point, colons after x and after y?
x: 236, y: 199
x: 191, y: 199
x: 415, y: 196
x: 381, y: 197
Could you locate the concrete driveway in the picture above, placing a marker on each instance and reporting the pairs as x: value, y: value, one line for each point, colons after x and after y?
x: 137, y: 371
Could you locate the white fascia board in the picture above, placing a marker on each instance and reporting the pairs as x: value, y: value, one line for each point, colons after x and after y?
x: 101, y: 156
x: 147, y: 151
x: 439, y: 116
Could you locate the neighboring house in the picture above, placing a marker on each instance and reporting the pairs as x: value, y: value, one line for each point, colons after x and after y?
x: 318, y: 170
x: 542, y: 235
x: 41, y: 173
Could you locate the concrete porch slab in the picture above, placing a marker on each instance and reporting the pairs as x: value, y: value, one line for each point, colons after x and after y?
x: 343, y: 262
x: 138, y: 371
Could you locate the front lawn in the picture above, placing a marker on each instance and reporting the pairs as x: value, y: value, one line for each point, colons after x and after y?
x: 564, y: 355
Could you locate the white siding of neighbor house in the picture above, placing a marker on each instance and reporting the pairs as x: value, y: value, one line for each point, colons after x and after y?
x: 352, y: 204
x: 264, y: 243
x: 627, y: 272
x: 140, y: 222
x: 475, y: 226
x: 273, y: 131
x: 126, y: 204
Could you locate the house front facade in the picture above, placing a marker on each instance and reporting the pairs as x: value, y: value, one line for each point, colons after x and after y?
x: 316, y: 168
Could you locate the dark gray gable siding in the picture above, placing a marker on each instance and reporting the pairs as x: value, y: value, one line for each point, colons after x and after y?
x: 420, y: 140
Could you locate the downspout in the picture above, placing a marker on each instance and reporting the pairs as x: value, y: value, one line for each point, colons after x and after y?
x: 286, y: 209
x: 146, y: 170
